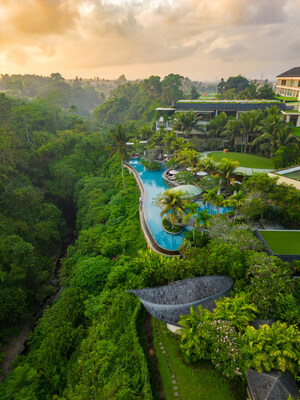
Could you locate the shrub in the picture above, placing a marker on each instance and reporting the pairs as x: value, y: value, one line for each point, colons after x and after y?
x: 150, y: 165
x: 169, y: 227
x: 238, y: 310
x: 204, y: 337
x: 269, y: 277
x: 275, y: 347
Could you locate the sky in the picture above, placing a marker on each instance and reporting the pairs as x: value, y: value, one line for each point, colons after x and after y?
x: 204, y: 40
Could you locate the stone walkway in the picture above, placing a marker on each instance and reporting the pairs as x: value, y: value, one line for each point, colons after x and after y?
x: 243, y: 170
x: 164, y: 352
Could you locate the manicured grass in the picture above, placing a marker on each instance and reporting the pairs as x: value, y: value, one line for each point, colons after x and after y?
x: 283, y: 242
x: 293, y: 175
x: 245, y: 160
x: 194, y: 382
x: 297, y: 131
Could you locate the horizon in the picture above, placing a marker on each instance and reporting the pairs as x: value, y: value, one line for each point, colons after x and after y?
x: 199, y: 39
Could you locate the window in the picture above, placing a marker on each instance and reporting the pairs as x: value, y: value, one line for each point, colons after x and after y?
x: 283, y: 82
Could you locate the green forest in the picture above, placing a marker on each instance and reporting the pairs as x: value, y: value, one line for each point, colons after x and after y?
x: 62, y: 197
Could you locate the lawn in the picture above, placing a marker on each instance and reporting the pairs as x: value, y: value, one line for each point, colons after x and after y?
x: 193, y: 382
x: 293, y: 175
x: 283, y: 242
x: 297, y: 131
x: 245, y: 160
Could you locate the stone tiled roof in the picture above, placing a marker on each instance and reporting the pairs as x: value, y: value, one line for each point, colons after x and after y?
x: 274, y: 385
x: 168, y: 302
x: 291, y: 73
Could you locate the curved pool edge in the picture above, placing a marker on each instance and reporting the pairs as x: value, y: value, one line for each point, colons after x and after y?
x: 152, y: 243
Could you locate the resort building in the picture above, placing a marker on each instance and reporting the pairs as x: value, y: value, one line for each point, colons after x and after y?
x: 208, y: 109
x: 288, y: 86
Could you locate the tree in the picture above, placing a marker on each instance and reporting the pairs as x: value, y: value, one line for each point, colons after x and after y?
x: 118, y: 139
x: 226, y: 168
x: 217, y: 125
x: 171, y: 91
x: 221, y: 86
x: 207, y: 164
x: 194, y: 93
x: 237, y: 200
x: 231, y: 132
x: 202, y: 220
x: 239, y: 83
x: 265, y: 92
x: 185, y: 122
x: 248, y: 125
x: 250, y: 92
x: 275, y: 133
x: 191, y: 213
x: 211, y: 196
x: 189, y: 158
x: 173, y: 203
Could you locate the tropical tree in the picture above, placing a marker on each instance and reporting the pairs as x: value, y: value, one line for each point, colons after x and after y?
x: 202, y: 220
x: 250, y: 92
x: 118, y: 139
x: 191, y: 209
x: 231, y: 132
x: 226, y: 168
x: 207, y: 164
x: 275, y: 132
x: 179, y: 143
x: 173, y: 203
x: 211, y: 196
x: 188, y: 158
x: 168, y: 140
x: 185, y: 122
x: 146, y: 132
x: 248, y: 124
x: 217, y: 125
x: 236, y: 200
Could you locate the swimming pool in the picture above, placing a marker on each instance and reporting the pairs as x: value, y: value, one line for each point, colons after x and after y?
x: 154, y: 185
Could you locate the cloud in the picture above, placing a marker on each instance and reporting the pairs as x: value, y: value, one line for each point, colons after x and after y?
x: 90, y: 34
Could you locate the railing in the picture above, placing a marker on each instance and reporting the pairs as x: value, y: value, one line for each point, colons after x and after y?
x: 145, y: 228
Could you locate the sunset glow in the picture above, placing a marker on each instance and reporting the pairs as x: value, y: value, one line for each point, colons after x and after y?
x: 202, y: 39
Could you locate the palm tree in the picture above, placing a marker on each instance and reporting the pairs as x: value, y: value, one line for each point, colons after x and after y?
x: 173, y: 203
x: 168, y: 140
x: 237, y: 200
x: 202, y: 220
x: 211, y: 196
x: 185, y: 122
x: 275, y: 133
x: 118, y: 139
x: 231, y: 132
x: 226, y: 168
x: 217, y: 125
x: 145, y: 132
x: 207, y: 164
x: 188, y: 157
x: 179, y: 143
x: 248, y: 124
x: 192, y: 211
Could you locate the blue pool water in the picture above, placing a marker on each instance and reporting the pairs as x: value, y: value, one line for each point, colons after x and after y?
x: 154, y: 185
